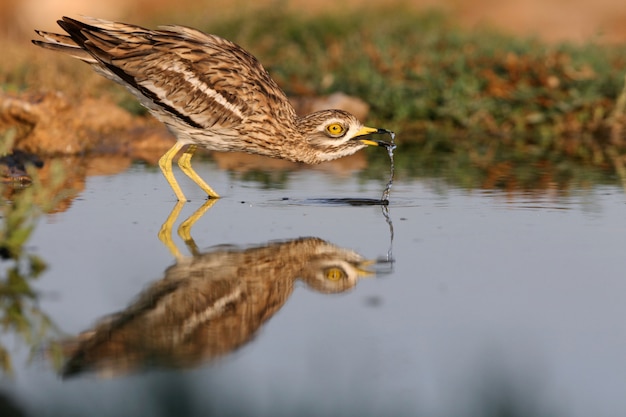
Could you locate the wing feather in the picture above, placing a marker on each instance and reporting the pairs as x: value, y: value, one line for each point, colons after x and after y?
x: 202, y: 79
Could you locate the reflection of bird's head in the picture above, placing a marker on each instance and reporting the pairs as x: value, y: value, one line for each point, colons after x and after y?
x: 335, y: 272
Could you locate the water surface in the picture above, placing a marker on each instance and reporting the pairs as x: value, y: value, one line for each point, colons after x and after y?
x: 496, y: 302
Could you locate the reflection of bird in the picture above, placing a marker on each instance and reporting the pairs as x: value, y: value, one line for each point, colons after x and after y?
x: 210, y: 93
x: 210, y: 304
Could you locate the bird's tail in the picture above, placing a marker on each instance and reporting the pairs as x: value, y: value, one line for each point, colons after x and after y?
x: 64, y: 44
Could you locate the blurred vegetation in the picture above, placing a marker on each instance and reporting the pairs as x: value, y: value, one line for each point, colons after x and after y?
x: 484, y: 108
x: 19, y: 211
x: 461, y: 96
x: 422, y: 71
x: 496, y: 168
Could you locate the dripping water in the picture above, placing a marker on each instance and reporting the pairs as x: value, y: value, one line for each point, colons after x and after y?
x: 389, y: 261
x: 390, y: 148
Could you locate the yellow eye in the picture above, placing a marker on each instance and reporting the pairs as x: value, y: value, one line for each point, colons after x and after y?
x: 334, y: 274
x: 335, y: 129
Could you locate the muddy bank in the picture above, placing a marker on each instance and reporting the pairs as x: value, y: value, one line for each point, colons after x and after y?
x: 48, y: 123
x: 51, y: 124
x: 94, y: 136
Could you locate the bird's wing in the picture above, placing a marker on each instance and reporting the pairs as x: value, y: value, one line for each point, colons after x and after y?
x: 201, y: 79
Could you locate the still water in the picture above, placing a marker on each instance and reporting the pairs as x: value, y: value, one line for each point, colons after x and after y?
x: 481, y: 302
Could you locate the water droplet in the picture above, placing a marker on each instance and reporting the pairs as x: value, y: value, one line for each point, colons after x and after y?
x: 390, y: 150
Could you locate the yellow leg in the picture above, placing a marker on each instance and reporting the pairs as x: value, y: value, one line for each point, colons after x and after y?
x: 184, y: 162
x: 166, y: 167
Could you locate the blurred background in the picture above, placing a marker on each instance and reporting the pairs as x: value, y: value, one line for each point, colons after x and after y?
x: 527, y: 83
x: 553, y: 20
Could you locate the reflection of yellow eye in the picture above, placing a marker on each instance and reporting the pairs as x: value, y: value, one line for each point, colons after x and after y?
x: 334, y: 274
x: 335, y: 129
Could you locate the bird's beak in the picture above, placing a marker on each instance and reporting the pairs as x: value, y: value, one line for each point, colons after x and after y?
x: 362, y: 268
x: 370, y: 131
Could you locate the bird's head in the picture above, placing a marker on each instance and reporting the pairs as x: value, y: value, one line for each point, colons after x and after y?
x: 333, y: 134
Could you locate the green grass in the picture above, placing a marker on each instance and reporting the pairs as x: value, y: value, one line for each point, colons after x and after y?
x: 422, y: 72
x: 463, y: 90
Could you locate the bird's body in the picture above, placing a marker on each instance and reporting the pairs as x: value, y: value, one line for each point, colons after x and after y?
x: 210, y: 93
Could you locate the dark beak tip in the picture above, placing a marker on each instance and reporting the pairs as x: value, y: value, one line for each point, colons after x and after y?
x: 391, y: 134
x: 387, y: 145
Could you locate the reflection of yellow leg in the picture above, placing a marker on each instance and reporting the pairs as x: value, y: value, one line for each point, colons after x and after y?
x: 165, y: 234
x: 184, y: 230
x: 166, y: 167
x: 184, y: 162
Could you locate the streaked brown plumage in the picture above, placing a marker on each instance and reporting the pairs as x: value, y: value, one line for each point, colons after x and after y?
x: 210, y: 304
x: 209, y: 92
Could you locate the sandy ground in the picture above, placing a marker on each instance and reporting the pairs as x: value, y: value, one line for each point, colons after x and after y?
x: 553, y: 20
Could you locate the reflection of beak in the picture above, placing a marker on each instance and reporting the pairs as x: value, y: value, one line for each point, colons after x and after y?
x: 362, y: 268
x: 372, y: 130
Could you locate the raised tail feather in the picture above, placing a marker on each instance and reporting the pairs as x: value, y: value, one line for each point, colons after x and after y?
x: 79, y: 34
x: 64, y: 43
